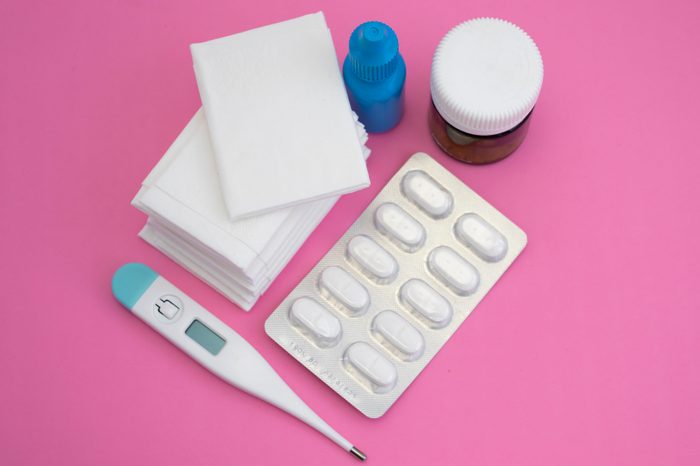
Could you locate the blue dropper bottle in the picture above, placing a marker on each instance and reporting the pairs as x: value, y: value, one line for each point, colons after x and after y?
x: 375, y: 72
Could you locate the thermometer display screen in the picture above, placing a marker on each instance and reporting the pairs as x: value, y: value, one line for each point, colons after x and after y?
x: 205, y: 337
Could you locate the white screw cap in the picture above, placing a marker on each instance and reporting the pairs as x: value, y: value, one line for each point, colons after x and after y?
x: 486, y: 76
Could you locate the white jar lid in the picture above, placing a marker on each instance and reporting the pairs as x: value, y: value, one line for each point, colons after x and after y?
x: 486, y: 76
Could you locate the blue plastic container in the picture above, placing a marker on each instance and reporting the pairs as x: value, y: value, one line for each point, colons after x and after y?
x: 375, y: 72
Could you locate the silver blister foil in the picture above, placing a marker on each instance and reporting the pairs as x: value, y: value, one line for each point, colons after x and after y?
x: 387, y: 296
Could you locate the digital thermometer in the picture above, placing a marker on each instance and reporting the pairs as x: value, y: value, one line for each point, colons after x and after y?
x: 212, y: 343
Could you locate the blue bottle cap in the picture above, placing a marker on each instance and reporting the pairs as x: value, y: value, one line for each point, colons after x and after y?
x: 374, y: 51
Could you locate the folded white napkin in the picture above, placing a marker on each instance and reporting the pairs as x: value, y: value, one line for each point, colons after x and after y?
x: 281, y: 126
x: 189, y: 223
x: 210, y: 268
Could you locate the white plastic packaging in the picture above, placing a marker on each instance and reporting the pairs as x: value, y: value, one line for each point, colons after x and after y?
x: 382, y: 302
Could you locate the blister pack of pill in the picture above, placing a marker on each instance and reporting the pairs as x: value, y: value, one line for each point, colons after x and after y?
x: 387, y: 296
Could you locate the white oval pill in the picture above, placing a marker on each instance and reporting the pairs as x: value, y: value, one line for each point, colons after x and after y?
x: 398, y: 225
x: 343, y: 289
x: 429, y: 306
x: 315, y: 322
x: 372, y: 259
x: 398, y: 336
x: 363, y: 360
x: 421, y: 189
x: 481, y: 237
x: 453, y: 270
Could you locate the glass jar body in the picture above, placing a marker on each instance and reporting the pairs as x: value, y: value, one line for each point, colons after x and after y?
x: 471, y: 148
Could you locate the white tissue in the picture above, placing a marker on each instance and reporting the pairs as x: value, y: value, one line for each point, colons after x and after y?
x: 281, y: 126
x: 188, y: 220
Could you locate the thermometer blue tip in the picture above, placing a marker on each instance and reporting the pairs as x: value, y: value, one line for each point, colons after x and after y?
x: 130, y: 281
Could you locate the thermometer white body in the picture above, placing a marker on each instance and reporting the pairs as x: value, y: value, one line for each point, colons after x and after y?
x: 212, y: 343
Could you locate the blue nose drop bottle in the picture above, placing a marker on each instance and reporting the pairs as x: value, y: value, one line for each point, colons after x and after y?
x: 374, y: 74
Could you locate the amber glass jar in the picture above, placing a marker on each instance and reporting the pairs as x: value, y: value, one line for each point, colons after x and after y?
x: 485, y: 80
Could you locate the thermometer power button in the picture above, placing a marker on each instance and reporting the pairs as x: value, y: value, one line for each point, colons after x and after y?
x: 168, y: 306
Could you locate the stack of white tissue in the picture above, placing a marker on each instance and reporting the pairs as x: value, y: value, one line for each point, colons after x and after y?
x: 211, y: 205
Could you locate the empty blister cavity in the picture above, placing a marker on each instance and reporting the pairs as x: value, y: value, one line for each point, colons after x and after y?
x: 426, y: 304
x: 372, y: 260
x: 481, y: 237
x: 370, y: 366
x: 398, y: 336
x: 398, y: 225
x: 344, y: 291
x: 421, y: 189
x: 453, y: 270
x: 315, y: 322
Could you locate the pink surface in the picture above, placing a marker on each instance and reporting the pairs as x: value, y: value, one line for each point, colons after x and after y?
x: 586, y: 352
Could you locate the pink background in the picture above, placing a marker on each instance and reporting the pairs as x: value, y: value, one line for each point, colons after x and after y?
x: 586, y: 352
